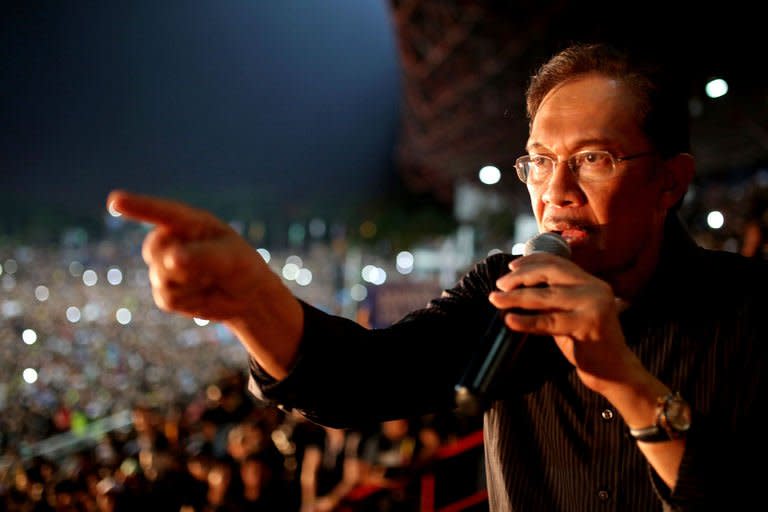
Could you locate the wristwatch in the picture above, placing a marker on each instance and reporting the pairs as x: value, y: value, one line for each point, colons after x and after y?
x: 673, y: 419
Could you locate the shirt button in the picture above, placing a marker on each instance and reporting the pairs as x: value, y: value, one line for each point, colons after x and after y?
x: 607, y: 414
x: 603, y: 495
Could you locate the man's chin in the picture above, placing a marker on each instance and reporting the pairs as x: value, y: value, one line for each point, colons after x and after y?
x: 585, y: 255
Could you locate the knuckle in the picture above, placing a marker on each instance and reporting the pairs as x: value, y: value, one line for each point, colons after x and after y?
x: 161, y: 300
x: 151, y: 246
x: 147, y: 251
x: 155, y: 279
x: 168, y: 300
x: 174, y: 258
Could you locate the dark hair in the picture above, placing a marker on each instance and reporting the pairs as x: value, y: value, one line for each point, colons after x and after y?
x: 661, y: 101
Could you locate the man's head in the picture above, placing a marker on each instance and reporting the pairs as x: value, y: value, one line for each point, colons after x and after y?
x: 660, y: 101
x: 608, y: 144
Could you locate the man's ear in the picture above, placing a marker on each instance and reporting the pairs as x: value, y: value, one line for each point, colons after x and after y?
x: 677, y: 176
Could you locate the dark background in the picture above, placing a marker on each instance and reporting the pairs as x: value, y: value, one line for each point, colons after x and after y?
x: 294, y: 109
x: 245, y: 107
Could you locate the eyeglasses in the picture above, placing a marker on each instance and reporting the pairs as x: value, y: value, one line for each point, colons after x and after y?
x: 585, y: 165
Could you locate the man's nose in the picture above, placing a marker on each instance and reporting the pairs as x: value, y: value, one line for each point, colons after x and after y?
x: 562, y: 188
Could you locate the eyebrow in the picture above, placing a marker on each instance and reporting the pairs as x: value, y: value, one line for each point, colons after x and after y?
x: 580, y: 145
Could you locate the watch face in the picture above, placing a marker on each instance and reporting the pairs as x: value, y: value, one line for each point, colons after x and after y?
x: 679, y: 415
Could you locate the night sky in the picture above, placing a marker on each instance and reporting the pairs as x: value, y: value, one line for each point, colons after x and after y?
x: 246, y: 106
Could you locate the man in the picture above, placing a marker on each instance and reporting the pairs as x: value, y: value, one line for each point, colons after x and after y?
x: 640, y: 388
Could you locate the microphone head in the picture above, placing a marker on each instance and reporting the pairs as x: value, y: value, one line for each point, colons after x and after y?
x: 548, y: 242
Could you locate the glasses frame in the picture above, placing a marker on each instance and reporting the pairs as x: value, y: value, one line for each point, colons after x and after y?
x: 523, y: 175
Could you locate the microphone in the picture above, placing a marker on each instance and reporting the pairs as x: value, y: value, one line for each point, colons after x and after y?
x: 499, y: 344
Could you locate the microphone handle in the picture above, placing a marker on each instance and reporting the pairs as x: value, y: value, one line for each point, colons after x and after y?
x: 472, y: 391
x: 501, y: 347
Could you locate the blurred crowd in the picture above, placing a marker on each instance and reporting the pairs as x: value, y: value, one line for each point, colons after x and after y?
x: 229, y: 453
x: 77, y: 347
x: 82, y: 340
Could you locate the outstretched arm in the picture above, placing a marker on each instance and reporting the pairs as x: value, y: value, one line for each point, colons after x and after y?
x: 199, y: 266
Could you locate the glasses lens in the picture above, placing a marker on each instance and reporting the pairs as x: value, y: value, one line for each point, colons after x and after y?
x: 539, y: 167
x: 521, y: 166
x: 592, y: 165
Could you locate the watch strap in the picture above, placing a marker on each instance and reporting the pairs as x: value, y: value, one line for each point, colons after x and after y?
x: 650, y: 434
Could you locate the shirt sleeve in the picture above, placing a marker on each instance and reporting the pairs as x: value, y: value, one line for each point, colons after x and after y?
x: 726, y: 443
x: 348, y: 376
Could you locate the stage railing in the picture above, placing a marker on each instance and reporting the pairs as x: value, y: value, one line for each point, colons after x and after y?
x: 453, y: 481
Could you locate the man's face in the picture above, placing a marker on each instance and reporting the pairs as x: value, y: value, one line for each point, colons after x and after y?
x: 607, y: 223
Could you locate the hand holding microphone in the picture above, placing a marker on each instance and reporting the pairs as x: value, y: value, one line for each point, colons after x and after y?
x: 500, y: 344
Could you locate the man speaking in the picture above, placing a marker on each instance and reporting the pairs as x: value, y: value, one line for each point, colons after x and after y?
x: 644, y: 366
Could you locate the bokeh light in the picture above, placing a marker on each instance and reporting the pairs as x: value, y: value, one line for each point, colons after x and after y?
x: 73, y: 314
x: 358, y: 292
x: 317, y: 228
x: 29, y: 336
x: 90, y: 278
x: 76, y: 269
x: 716, y: 88
x: 404, y: 262
x: 374, y: 274
x: 290, y: 271
x: 10, y: 266
x: 489, y: 175
x: 264, y: 254
x: 294, y: 260
x: 114, y: 276
x: 42, y: 293
x: 303, y: 277
x: 123, y: 316
x: 715, y: 219
x: 29, y: 375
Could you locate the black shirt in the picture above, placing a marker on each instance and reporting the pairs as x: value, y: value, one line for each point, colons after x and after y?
x: 550, y: 443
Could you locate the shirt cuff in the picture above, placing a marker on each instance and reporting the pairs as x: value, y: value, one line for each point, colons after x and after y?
x: 280, y: 393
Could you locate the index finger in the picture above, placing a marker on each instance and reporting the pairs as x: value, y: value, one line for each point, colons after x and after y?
x: 156, y: 210
x: 542, y: 268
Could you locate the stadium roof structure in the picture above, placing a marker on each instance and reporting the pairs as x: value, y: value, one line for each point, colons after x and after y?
x: 465, y: 65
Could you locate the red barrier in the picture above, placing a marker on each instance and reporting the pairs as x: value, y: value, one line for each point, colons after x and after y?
x: 429, y: 479
x: 461, y: 445
x: 447, y: 460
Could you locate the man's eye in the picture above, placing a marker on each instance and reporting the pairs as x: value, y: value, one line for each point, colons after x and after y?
x: 538, y: 160
x: 590, y: 157
x: 593, y: 157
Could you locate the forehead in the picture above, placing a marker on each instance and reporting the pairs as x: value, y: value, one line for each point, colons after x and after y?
x: 588, y: 108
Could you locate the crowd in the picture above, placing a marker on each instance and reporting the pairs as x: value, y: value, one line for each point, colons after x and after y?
x: 228, y: 453
x: 77, y: 347
x: 81, y: 319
